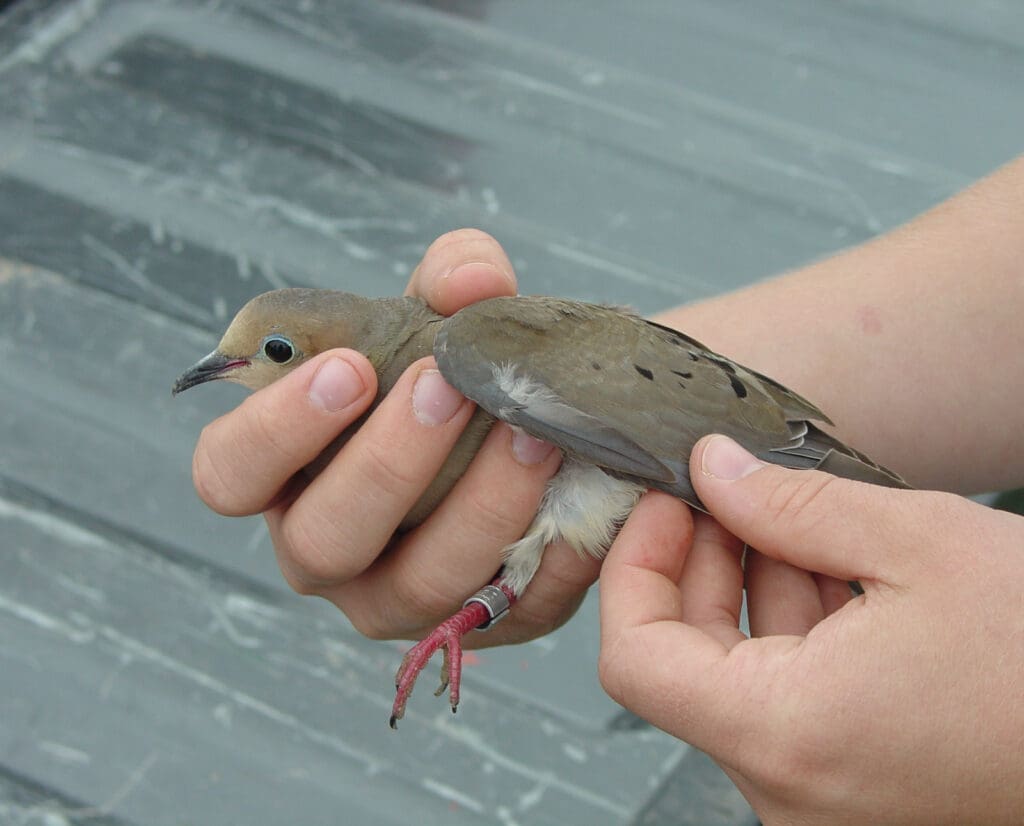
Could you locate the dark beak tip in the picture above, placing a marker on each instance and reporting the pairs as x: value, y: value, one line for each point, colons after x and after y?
x: 181, y: 384
x: 190, y: 378
x: 208, y: 368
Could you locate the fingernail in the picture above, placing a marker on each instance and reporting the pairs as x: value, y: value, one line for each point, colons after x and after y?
x: 336, y: 385
x: 434, y: 401
x: 473, y: 271
x: 528, y: 450
x: 724, y: 459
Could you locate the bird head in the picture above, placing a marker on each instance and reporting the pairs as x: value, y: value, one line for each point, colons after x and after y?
x: 276, y: 332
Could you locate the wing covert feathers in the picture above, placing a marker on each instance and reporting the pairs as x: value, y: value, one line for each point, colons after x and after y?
x: 629, y: 395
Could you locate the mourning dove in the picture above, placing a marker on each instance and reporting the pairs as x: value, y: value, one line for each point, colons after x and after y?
x: 624, y: 398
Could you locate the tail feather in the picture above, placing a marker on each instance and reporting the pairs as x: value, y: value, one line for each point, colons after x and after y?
x: 824, y: 452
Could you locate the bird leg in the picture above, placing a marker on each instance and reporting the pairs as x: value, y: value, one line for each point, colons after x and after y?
x: 480, y: 611
x: 582, y: 505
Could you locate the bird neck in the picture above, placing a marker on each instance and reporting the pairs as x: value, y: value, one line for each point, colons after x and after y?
x: 398, y: 332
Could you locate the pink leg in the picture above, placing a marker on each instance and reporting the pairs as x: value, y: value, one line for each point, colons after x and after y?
x: 448, y: 635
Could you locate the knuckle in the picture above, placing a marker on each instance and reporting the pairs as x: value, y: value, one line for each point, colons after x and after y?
x: 266, y: 434
x: 299, y: 585
x: 383, y: 473
x: 710, y: 533
x: 612, y: 670
x: 802, y: 758
x: 496, y: 517
x: 372, y: 613
x: 797, y: 504
x: 211, y: 478
x: 308, y: 551
x: 422, y: 601
x: 536, y: 620
x: 368, y: 623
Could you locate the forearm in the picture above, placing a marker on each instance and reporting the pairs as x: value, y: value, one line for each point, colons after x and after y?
x: 913, y: 343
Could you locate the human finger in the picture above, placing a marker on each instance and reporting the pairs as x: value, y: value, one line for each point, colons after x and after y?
x: 349, y: 512
x: 462, y: 267
x: 781, y: 599
x: 711, y: 585
x: 244, y: 458
x: 427, y: 574
x: 671, y: 673
x: 809, y: 519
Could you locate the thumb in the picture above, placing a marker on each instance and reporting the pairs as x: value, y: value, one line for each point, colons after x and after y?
x: 810, y: 519
x: 460, y: 268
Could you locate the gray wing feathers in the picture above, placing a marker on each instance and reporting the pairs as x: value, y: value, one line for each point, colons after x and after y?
x: 824, y: 452
x: 627, y: 395
x: 541, y: 413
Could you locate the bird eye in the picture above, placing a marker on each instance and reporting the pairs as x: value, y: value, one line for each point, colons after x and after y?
x: 278, y: 349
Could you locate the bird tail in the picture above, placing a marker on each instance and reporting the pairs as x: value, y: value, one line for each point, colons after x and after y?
x: 824, y: 452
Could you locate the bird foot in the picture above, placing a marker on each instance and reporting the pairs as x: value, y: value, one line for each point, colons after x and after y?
x: 480, y: 611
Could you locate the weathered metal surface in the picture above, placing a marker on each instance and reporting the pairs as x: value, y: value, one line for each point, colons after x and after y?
x: 162, y: 162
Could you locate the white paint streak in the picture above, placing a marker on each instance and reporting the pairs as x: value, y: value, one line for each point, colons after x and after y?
x: 531, y: 798
x: 121, y: 794
x: 574, y: 753
x: 453, y: 795
x: 242, y: 266
x: 224, y: 622
x: 267, y: 268
x: 564, y: 93
x: 186, y: 672
x: 65, y: 753
x: 504, y: 814
x: 69, y: 22
x: 123, y: 266
x: 257, y: 536
x: 47, y: 622
x: 252, y: 611
x: 628, y: 273
x: 490, y: 199
x: 65, y: 532
x: 92, y: 595
x: 825, y: 182
x: 474, y: 741
x: 51, y: 813
x: 546, y: 644
x: 338, y: 652
x: 220, y: 308
x: 223, y: 714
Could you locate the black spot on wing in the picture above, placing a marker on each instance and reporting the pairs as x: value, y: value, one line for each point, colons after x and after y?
x: 683, y: 375
x: 595, y: 365
x: 643, y: 371
x: 729, y: 368
x: 738, y: 387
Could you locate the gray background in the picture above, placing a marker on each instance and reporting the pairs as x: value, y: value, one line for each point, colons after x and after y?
x: 162, y: 162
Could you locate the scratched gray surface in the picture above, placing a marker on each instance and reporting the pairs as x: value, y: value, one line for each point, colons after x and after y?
x: 162, y: 162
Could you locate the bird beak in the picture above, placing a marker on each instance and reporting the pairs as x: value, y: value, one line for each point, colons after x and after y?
x: 208, y: 368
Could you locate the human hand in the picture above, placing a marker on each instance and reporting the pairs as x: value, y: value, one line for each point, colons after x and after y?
x: 903, y: 705
x: 334, y: 535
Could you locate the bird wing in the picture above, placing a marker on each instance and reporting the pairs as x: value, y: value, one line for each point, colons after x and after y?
x: 628, y: 395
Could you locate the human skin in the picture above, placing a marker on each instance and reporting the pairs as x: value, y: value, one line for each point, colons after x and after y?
x: 913, y: 327
x: 901, y: 706
x: 911, y: 343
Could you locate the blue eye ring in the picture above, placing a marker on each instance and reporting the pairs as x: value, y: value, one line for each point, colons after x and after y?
x: 279, y: 349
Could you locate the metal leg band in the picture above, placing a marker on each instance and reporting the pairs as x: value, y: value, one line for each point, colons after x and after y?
x: 492, y: 598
